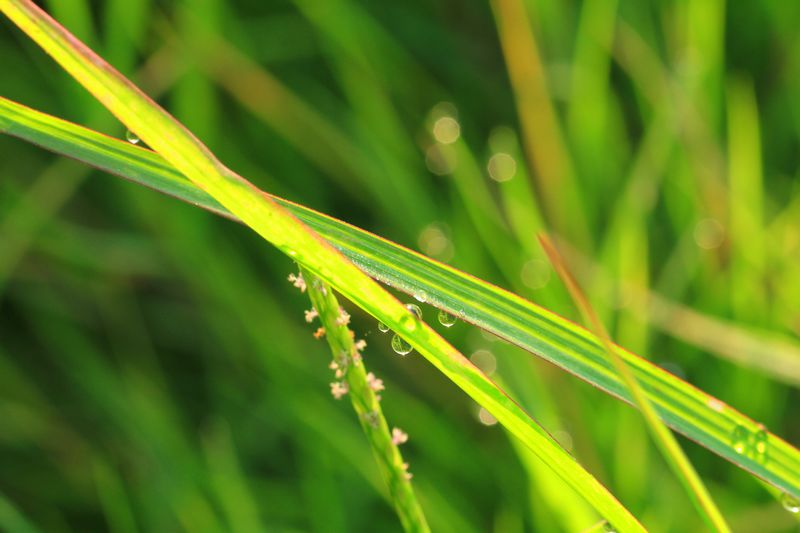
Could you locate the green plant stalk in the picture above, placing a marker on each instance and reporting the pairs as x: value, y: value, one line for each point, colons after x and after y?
x: 277, y: 225
x: 542, y: 137
x: 664, y: 438
x: 701, y: 417
x: 366, y: 404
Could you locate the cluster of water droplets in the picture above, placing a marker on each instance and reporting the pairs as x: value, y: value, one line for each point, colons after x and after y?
x: 753, y: 444
x: 756, y: 445
x: 409, y: 323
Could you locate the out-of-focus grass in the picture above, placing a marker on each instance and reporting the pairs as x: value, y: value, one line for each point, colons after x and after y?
x: 130, y: 383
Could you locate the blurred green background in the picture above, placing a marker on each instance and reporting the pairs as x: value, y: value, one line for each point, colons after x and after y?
x: 156, y: 373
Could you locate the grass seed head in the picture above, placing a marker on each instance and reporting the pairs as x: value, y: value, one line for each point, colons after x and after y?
x: 338, y: 389
x: 399, y: 436
x: 311, y: 314
x: 298, y: 281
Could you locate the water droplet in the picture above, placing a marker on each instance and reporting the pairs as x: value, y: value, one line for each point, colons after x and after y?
x: 409, y: 321
x: 740, y: 439
x: 383, y: 327
x: 400, y: 346
x: 609, y: 528
x: 131, y: 137
x: 790, y: 503
x: 446, y: 319
x: 761, y: 443
x: 414, y: 308
x: 421, y: 296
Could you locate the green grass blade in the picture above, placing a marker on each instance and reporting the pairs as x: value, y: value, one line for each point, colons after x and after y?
x: 11, y: 519
x: 664, y: 438
x: 543, y: 141
x: 229, y: 482
x: 746, y: 196
x: 695, y: 414
x: 278, y: 226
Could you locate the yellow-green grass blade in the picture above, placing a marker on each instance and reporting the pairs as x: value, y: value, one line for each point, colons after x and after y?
x: 543, y: 143
x: 695, y: 414
x: 278, y: 226
x: 663, y: 437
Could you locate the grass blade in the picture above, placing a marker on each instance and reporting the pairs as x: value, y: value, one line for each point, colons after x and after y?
x: 12, y: 519
x: 697, y: 415
x: 543, y: 142
x: 664, y: 438
x: 275, y: 224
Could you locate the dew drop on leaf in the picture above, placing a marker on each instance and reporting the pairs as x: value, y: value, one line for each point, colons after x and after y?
x: 400, y: 346
x: 409, y: 320
x: 790, y: 503
x: 383, y: 328
x: 446, y: 319
x: 414, y: 308
x: 131, y: 137
x: 761, y: 444
x: 740, y: 439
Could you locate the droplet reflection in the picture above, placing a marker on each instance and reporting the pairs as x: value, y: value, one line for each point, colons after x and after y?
x: 446, y: 319
x: 790, y: 503
x: 400, y: 346
x: 740, y: 439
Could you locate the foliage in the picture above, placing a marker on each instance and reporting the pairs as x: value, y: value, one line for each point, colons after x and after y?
x: 164, y: 356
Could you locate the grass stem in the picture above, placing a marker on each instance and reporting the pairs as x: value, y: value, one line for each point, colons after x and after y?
x: 360, y: 386
x: 664, y: 439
